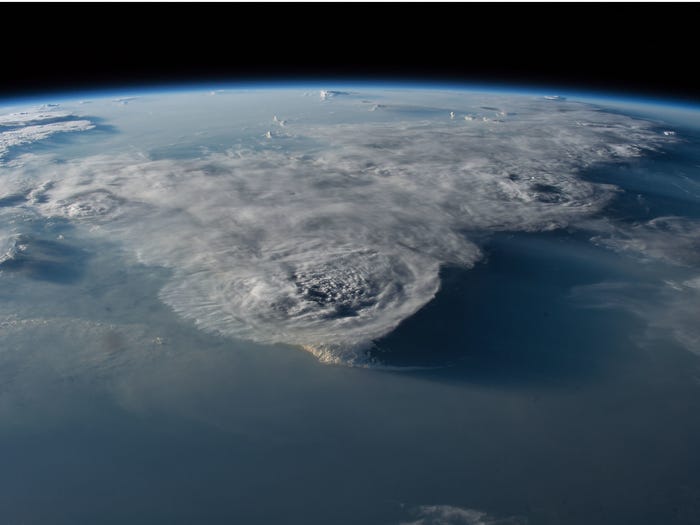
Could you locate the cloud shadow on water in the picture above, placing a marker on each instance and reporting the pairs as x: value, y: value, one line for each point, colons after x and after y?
x: 509, y: 320
x: 54, y: 261
x: 12, y: 200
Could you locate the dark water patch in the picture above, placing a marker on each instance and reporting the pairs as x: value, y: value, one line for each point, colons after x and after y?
x: 648, y: 193
x: 664, y: 182
x: 12, y: 200
x: 510, y: 321
x: 45, y: 260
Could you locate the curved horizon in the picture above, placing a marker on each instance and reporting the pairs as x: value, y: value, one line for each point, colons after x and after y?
x: 511, y: 88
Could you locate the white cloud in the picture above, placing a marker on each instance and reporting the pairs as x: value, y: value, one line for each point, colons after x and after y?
x: 36, y: 124
x: 451, y: 515
x: 332, y: 248
x: 30, y: 134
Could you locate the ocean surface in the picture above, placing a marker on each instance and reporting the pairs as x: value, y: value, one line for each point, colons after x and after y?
x: 547, y: 384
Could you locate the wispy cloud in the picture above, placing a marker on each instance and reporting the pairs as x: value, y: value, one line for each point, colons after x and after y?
x: 669, y: 305
x: 674, y: 240
x: 669, y: 308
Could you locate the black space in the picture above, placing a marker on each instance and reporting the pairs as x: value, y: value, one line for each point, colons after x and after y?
x: 640, y: 49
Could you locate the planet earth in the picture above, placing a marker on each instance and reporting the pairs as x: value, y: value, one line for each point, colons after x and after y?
x: 360, y: 304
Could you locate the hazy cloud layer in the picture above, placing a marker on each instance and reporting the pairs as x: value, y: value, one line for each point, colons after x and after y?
x: 331, y: 246
x: 675, y: 240
x: 669, y: 309
x: 39, y: 354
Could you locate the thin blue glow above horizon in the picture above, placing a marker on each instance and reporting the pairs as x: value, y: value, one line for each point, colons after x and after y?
x: 591, y: 95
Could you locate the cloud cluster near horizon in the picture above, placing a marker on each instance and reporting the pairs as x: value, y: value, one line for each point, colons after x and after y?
x: 28, y: 127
